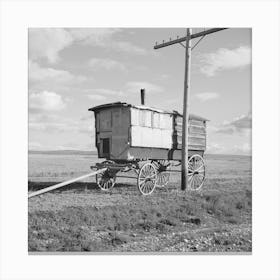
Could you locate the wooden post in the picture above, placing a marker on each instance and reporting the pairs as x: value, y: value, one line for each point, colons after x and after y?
x: 185, y: 148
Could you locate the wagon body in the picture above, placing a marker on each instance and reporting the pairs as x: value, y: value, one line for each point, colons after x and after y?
x: 125, y: 132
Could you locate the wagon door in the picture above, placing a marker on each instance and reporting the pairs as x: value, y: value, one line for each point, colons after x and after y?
x: 104, y: 133
x: 105, y: 147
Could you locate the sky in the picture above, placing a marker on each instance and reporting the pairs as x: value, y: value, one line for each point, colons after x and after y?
x: 73, y: 69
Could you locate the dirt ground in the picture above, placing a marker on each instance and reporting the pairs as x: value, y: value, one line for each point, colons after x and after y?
x: 81, y: 218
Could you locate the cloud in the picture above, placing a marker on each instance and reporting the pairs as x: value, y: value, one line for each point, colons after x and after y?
x: 242, y: 149
x: 96, y: 97
x: 214, y: 148
x: 133, y: 87
x: 105, y: 63
x: 87, y: 128
x: 101, y: 94
x: 50, y: 122
x: 105, y: 91
x: 46, y: 101
x: 240, y: 125
x: 38, y: 74
x: 47, y: 42
x: 225, y: 59
x: 128, y: 47
x: 48, y: 127
x: 102, y: 37
x: 34, y: 146
x: 205, y: 96
x: 92, y: 36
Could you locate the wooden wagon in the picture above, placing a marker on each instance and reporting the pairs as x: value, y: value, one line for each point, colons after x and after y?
x: 148, y: 141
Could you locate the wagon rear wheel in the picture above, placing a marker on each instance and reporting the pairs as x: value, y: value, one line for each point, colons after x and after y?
x: 147, y: 178
x: 196, y: 172
x: 106, y: 179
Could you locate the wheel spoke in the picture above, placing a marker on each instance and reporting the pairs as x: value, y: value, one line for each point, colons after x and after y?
x: 147, y: 187
x: 196, y: 182
x: 141, y: 183
x: 192, y: 179
x: 199, y: 168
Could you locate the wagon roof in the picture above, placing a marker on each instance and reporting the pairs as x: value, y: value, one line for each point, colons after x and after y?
x: 143, y: 107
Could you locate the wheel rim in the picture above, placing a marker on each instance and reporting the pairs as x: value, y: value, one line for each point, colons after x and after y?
x: 196, y: 172
x: 147, y: 178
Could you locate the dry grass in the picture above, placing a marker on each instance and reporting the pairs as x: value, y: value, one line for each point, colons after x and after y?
x: 82, y: 218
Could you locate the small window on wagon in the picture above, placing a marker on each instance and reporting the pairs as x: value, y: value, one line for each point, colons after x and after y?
x: 145, y: 118
x: 156, y: 120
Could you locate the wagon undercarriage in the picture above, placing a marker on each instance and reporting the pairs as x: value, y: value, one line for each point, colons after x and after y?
x: 149, y: 174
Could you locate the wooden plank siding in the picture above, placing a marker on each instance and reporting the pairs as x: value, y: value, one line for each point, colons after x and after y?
x: 197, y: 133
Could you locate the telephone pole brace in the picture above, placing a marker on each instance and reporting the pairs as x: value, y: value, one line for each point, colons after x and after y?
x: 187, y: 39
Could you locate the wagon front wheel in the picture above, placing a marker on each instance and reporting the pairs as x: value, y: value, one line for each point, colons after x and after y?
x: 147, y: 178
x: 106, y: 179
x: 196, y: 172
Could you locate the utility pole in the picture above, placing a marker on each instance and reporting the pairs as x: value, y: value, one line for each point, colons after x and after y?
x: 187, y: 39
x: 185, y: 136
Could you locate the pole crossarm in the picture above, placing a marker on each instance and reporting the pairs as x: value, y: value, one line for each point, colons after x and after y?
x: 183, y: 39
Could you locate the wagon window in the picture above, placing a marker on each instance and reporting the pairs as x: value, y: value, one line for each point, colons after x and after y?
x: 165, y: 121
x: 156, y: 120
x: 105, y: 146
x: 145, y: 118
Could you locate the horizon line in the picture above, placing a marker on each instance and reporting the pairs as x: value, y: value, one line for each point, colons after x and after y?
x: 78, y: 150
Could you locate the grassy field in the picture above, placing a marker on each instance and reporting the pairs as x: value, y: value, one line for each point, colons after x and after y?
x: 82, y: 218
